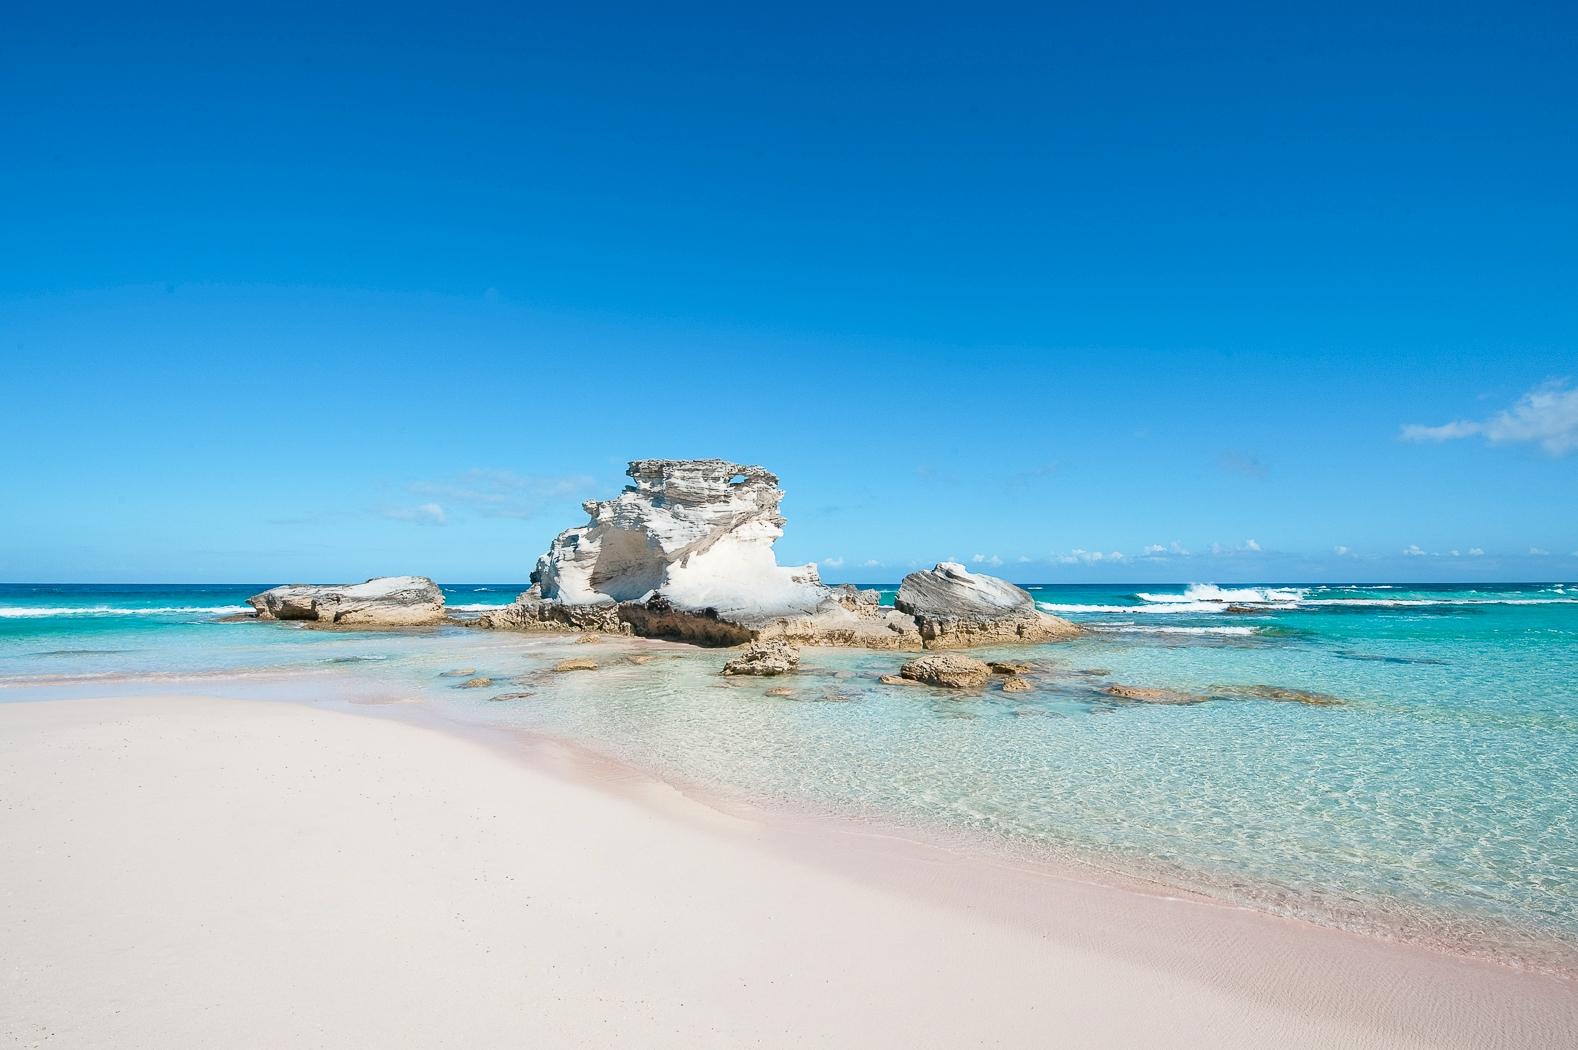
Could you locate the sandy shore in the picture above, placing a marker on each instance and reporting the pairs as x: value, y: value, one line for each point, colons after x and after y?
x: 189, y: 872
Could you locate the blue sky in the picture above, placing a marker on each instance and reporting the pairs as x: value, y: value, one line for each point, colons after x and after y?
x: 1093, y: 292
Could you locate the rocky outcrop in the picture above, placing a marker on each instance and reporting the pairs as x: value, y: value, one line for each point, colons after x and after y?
x: 387, y: 601
x: 530, y: 612
x: 700, y: 532
x: 686, y: 553
x: 765, y: 659
x: 949, y: 670
x: 956, y: 609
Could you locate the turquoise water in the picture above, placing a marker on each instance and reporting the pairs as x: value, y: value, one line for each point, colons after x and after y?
x: 1437, y: 802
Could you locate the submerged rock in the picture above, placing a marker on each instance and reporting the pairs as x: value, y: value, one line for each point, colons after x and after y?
x: 576, y: 664
x: 510, y: 696
x: 385, y: 601
x: 955, y: 609
x: 765, y: 658
x: 780, y: 691
x: 1142, y: 694
x: 475, y: 683
x: 1279, y: 694
x: 1007, y: 667
x: 896, y: 679
x: 458, y: 673
x: 1016, y: 685
x: 948, y: 670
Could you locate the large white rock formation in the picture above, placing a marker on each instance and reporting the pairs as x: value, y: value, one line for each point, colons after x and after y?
x: 686, y: 552
x: 387, y: 601
x: 700, y: 532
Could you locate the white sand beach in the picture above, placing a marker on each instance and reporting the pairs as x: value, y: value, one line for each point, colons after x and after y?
x: 192, y: 872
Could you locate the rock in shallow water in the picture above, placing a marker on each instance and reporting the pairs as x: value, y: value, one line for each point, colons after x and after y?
x: 1145, y: 695
x: 577, y: 664
x: 765, y: 658
x: 385, y: 601
x: 686, y: 553
x: 475, y: 683
x: 1278, y: 693
x: 1016, y: 685
x: 955, y: 609
x: 948, y: 670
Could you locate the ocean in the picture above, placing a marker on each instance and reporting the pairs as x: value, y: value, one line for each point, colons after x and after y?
x: 1436, y: 803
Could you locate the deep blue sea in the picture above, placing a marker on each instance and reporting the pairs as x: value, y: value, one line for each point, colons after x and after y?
x: 1437, y: 802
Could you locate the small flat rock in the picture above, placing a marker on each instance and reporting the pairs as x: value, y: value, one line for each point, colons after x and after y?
x: 893, y: 679
x: 638, y: 658
x: 576, y: 664
x: 1016, y: 685
x: 475, y: 683
x: 780, y: 692
x: 1008, y: 667
x: 463, y: 672
x: 587, y: 639
x: 510, y: 696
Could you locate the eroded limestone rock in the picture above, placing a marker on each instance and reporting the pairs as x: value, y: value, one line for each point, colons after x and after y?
x: 766, y: 659
x: 948, y: 670
x: 956, y: 609
x: 385, y: 601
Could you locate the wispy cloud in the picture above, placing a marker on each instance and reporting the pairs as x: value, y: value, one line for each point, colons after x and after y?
x: 986, y: 559
x: 423, y: 514
x: 504, y: 493
x: 1413, y: 550
x: 1538, y: 552
x: 832, y: 563
x: 1246, y: 463
x: 1342, y: 551
x: 1546, y: 416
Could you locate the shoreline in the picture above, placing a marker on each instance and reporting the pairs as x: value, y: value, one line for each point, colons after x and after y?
x: 1310, y: 977
x: 584, y: 764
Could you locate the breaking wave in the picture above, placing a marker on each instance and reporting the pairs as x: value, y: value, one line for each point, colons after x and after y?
x: 39, y: 612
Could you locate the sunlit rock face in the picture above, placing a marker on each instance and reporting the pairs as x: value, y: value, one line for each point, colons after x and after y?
x: 700, y: 532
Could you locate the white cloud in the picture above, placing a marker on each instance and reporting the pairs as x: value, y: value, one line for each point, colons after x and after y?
x: 986, y: 559
x: 1538, y: 552
x: 1080, y: 556
x: 1251, y: 545
x: 1546, y: 415
x: 1476, y: 552
x: 1413, y: 550
x: 1454, y: 552
x: 425, y: 514
x: 833, y: 563
x: 1341, y: 551
x: 871, y: 563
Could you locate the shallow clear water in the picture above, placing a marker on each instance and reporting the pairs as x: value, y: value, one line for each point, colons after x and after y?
x: 1437, y: 801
